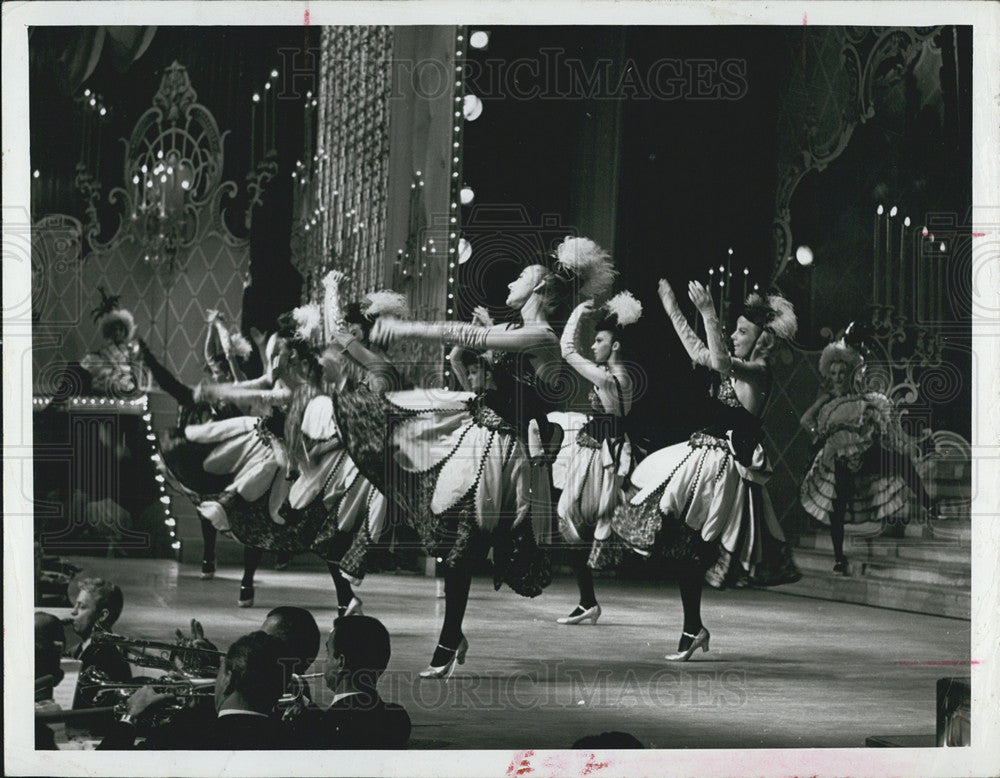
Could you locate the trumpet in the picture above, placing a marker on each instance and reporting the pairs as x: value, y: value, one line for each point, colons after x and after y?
x: 157, y: 654
x: 104, y: 692
x: 96, y: 684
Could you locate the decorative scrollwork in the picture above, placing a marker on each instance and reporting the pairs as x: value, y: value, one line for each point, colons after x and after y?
x: 257, y: 181
x: 173, y: 193
x: 90, y: 189
x: 872, y: 58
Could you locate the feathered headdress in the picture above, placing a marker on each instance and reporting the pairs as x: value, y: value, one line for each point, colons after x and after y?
x: 772, y: 312
x: 590, y: 264
x: 308, y: 321
x: 239, y: 346
x: 621, y: 310
x: 384, y: 303
x: 109, y: 313
x: 839, y: 351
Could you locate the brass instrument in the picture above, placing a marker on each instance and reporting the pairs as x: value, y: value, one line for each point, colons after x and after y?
x: 96, y: 684
x: 143, y: 653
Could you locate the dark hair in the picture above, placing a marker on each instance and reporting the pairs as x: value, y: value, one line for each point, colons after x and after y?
x: 306, y: 354
x: 363, y: 641
x: 254, y: 664
x: 107, y: 595
x: 609, y: 740
x: 470, y: 358
x: 354, y: 315
x: 286, y: 325
x: 297, y: 629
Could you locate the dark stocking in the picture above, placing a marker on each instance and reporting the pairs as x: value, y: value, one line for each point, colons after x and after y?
x: 208, y: 536
x: 344, y: 591
x: 251, y: 561
x: 584, y: 578
x: 843, y: 485
x: 691, y: 582
x: 457, y: 583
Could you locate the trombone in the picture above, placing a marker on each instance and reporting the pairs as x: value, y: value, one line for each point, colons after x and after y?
x: 157, y: 654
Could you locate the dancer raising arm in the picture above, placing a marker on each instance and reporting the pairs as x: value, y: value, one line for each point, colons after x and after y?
x: 601, y: 457
x: 476, y: 487
x: 704, y: 501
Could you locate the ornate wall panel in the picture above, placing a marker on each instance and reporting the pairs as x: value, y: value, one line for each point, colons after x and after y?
x: 171, y: 255
x: 833, y: 79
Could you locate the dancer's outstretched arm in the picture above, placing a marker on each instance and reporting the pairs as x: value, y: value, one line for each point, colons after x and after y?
x: 499, y: 336
x: 694, y: 346
x: 241, y: 394
x: 719, y: 359
x: 593, y: 372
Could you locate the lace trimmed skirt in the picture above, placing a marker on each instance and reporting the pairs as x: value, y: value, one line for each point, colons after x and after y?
x: 459, y: 475
x: 873, y: 489
x: 695, y: 503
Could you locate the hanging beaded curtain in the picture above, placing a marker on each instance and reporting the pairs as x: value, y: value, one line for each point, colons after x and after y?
x: 340, y: 192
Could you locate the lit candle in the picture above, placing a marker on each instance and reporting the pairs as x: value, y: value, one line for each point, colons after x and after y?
x: 888, y: 256
x: 746, y: 280
x: 877, y: 269
x: 902, y: 263
x: 729, y: 287
x: 253, y: 138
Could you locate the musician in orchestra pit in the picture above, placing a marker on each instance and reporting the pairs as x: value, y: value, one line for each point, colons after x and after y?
x: 249, y: 682
x: 49, y: 641
x: 295, y: 627
x: 98, y: 605
x: 357, y: 653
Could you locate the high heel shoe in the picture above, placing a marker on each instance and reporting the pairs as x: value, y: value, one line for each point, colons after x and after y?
x: 841, y: 566
x: 697, y: 641
x: 246, y: 596
x: 207, y: 570
x: 353, y: 608
x: 444, y: 671
x: 580, y: 614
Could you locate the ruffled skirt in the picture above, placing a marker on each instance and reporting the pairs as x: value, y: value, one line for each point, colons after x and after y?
x: 872, y: 488
x: 329, y: 509
x: 459, y: 476
x: 694, y: 502
x: 592, y: 489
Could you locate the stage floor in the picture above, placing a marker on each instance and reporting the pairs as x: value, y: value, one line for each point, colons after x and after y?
x: 783, y: 671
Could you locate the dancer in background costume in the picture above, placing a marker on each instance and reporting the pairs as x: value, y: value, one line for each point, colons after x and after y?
x: 458, y: 464
x: 857, y: 473
x: 184, y: 461
x: 703, y: 503
x: 601, y: 457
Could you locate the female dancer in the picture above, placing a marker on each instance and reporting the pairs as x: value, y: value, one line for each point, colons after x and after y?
x: 224, y: 350
x: 855, y: 472
x: 705, y: 499
x: 330, y: 509
x: 458, y: 465
x: 602, y: 457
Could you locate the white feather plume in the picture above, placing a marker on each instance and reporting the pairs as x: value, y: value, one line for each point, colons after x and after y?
x: 385, y: 303
x: 239, y: 345
x: 784, y: 324
x: 591, y: 264
x: 309, y: 320
x: 625, y: 308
